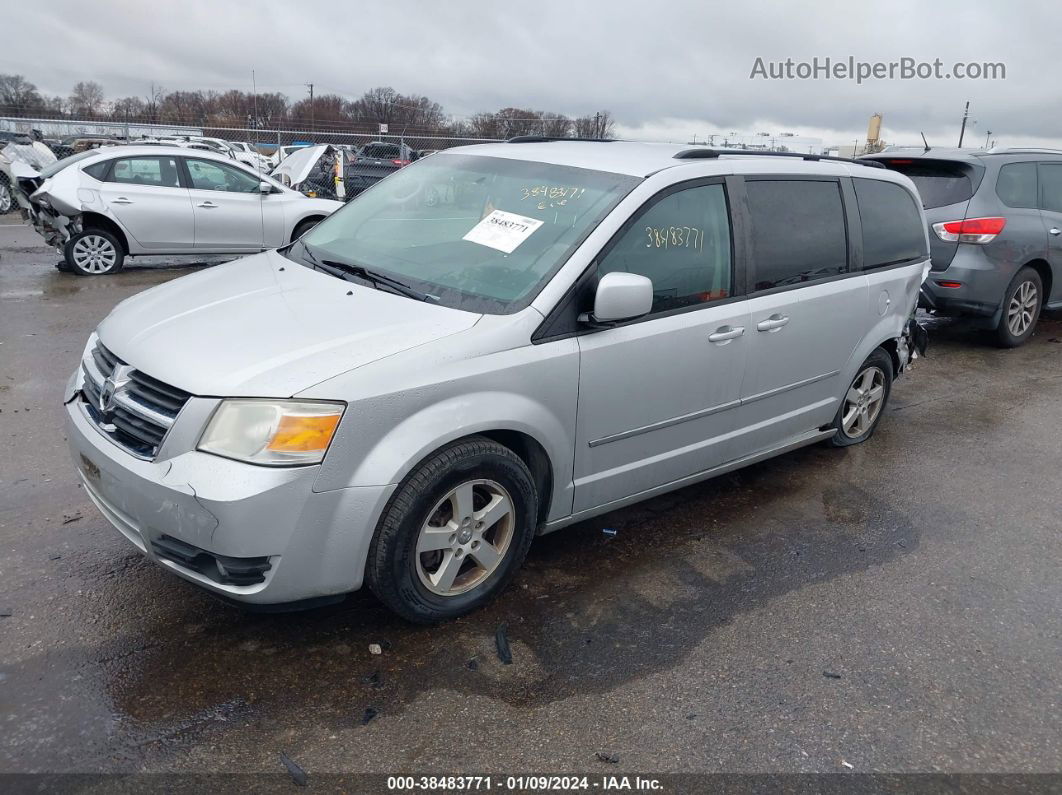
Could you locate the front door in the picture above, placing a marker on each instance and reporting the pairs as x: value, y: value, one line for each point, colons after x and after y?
x: 658, y: 396
x: 145, y: 195
x: 228, y: 207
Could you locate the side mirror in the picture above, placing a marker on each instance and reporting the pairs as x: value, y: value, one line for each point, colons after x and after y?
x: 621, y: 296
x: 264, y: 187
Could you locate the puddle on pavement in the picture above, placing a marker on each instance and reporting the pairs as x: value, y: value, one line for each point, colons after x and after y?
x: 587, y: 614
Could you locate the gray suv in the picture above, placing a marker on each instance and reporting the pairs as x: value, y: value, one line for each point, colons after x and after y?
x: 995, y: 221
x: 492, y: 343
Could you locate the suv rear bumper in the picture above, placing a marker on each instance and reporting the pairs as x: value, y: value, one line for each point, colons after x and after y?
x: 981, y: 285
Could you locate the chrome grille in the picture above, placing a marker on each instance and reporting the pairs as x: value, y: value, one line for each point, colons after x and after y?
x: 129, y: 407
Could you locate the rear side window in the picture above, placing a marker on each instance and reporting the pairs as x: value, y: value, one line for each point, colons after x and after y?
x: 1051, y: 186
x: 1016, y: 185
x: 160, y: 172
x: 892, y: 226
x: 939, y: 182
x: 98, y: 170
x: 798, y: 231
x: 682, y: 244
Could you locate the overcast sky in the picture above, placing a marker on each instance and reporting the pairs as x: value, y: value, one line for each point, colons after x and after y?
x: 667, y: 69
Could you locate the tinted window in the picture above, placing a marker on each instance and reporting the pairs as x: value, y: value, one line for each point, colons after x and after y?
x: 387, y: 151
x: 1016, y: 185
x: 892, y: 226
x: 1051, y: 186
x: 798, y: 232
x: 98, y: 170
x: 160, y: 172
x: 681, y: 243
x: 208, y: 175
x: 939, y: 182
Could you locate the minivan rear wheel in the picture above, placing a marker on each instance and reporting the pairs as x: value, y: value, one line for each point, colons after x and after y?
x: 454, y: 533
x: 1021, y: 308
x: 864, y: 403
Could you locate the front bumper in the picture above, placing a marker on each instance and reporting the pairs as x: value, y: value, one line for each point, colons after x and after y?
x: 315, y: 543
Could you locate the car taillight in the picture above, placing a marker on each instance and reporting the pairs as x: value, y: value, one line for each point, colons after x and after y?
x: 400, y: 162
x: 972, y: 230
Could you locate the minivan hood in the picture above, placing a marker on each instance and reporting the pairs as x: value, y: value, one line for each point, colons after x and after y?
x: 265, y: 326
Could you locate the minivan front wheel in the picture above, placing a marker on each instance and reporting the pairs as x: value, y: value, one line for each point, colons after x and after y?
x: 1021, y: 308
x: 454, y: 533
x: 863, y: 404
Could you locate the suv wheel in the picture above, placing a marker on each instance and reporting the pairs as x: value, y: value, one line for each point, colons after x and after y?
x: 864, y: 402
x: 93, y: 252
x: 454, y: 533
x: 7, y: 198
x: 1021, y: 308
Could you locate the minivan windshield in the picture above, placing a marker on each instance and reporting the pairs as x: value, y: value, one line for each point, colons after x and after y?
x: 471, y: 232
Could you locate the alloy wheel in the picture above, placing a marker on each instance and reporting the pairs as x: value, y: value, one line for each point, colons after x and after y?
x: 94, y: 254
x: 465, y: 538
x: 1022, y: 308
x: 863, y: 402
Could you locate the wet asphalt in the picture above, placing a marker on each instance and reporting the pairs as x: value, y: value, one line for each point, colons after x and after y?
x: 896, y: 606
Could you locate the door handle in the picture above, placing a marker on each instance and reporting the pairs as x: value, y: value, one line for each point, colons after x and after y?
x: 121, y: 200
x: 208, y: 205
x: 1054, y: 230
x: 773, y: 323
x: 724, y: 334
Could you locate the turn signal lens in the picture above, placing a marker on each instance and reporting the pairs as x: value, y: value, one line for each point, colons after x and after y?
x: 301, y: 434
x: 272, y: 432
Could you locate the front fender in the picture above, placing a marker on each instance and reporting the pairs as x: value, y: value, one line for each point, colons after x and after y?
x: 396, y: 452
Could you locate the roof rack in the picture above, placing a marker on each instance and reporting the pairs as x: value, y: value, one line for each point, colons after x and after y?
x: 539, y: 139
x: 1022, y: 150
x: 704, y: 152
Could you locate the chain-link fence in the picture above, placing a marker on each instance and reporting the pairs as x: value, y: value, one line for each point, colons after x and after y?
x: 355, y: 161
x: 264, y: 141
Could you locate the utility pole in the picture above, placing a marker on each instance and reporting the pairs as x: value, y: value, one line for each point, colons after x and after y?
x: 254, y: 91
x: 988, y: 138
x: 310, y: 86
x: 965, y: 115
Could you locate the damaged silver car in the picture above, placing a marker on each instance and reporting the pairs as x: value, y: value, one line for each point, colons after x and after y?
x: 31, y: 155
x: 100, y: 206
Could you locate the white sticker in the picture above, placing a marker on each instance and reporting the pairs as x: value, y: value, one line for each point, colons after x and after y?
x: 503, y: 231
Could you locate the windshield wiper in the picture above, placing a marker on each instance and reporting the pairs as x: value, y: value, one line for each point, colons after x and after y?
x: 361, y: 272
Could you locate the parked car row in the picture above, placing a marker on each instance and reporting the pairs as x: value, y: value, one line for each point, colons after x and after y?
x: 316, y: 170
x: 493, y: 343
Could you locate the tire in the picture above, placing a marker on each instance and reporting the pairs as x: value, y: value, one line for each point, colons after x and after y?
x: 860, y: 411
x: 7, y: 198
x: 303, y: 228
x: 1022, y: 303
x: 94, y: 252
x: 427, y: 562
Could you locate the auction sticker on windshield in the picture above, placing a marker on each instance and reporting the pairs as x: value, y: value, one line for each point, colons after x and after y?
x: 503, y: 231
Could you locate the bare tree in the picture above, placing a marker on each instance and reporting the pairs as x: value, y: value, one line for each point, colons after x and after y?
x: 18, y: 96
x: 86, y: 99
x: 599, y: 125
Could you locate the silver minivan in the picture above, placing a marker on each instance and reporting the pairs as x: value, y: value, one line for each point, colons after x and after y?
x: 493, y: 343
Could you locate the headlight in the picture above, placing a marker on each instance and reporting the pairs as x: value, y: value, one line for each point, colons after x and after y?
x: 272, y: 432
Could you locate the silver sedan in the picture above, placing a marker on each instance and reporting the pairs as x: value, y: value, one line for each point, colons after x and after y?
x: 101, y: 206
